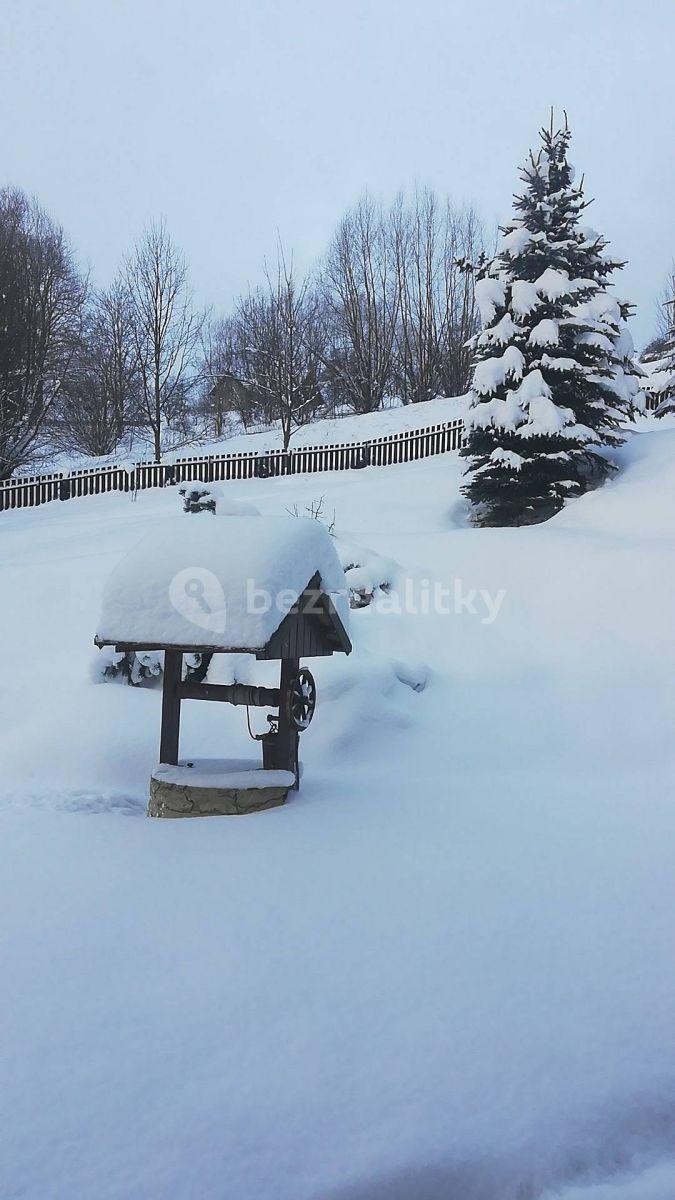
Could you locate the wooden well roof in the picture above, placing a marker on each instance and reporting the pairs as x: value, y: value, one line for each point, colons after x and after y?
x: 200, y: 584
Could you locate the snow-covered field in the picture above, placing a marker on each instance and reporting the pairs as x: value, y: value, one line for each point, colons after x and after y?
x: 446, y: 969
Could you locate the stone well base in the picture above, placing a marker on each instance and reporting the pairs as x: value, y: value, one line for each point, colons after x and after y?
x: 210, y: 788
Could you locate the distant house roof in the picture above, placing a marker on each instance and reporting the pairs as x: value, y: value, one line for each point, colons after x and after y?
x: 205, y: 582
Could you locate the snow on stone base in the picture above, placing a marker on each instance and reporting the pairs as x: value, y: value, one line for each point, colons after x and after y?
x: 215, y: 787
x: 221, y: 772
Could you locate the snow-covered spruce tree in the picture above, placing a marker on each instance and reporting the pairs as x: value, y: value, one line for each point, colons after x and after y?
x: 553, y: 375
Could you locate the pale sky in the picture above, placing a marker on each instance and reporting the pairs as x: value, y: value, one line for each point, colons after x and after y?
x: 240, y: 122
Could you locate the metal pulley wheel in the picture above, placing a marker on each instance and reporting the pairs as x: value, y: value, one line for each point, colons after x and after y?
x: 302, y: 699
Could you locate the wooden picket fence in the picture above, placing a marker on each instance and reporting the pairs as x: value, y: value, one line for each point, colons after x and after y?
x: 652, y: 401
x: 407, y: 446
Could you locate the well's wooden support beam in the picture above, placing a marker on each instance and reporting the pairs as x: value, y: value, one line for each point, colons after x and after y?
x: 280, y: 749
x: 287, y: 732
x: 168, y: 742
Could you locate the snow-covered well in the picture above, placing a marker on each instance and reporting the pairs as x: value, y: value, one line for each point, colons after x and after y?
x: 222, y: 585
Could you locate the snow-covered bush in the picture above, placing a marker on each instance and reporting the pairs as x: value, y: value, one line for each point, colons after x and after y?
x: 199, y: 497
x: 145, y: 667
x: 366, y: 572
x: 209, y: 497
x: 315, y: 511
x: 553, y: 376
x: 195, y: 666
x: 136, y: 667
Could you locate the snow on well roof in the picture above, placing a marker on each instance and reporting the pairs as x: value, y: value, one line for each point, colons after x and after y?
x: 202, y: 582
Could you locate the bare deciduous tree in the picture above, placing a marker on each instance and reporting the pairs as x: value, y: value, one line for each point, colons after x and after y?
x: 277, y: 353
x: 437, y: 311
x: 165, y: 329
x: 103, y: 393
x: 225, y: 395
x: 666, y: 313
x: 117, y: 355
x: 360, y: 301
x: 415, y: 237
x: 463, y: 244
x: 41, y: 304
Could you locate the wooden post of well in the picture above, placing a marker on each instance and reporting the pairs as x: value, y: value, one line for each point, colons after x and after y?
x: 280, y: 750
x: 168, y: 742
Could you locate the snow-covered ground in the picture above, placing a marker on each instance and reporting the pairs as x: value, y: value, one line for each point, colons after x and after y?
x: 446, y: 969
x: 329, y: 431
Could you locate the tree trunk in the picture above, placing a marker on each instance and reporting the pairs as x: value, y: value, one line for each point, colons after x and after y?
x: 157, y: 426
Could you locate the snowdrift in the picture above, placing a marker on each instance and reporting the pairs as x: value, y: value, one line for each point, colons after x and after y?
x: 444, y: 970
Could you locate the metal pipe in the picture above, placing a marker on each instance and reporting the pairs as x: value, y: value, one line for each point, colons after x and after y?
x: 230, y: 693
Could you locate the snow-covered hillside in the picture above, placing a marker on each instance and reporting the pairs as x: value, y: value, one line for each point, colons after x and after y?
x: 328, y: 431
x: 446, y: 968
